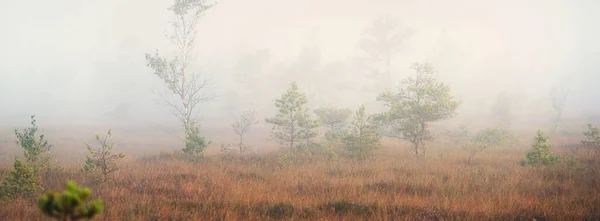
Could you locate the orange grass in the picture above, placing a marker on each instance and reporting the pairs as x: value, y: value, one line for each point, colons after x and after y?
x: 390, y: 186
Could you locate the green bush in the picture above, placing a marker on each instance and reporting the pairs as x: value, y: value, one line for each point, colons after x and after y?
x: 70, y: 204
x: 541, y: 153
x: 21, y: 181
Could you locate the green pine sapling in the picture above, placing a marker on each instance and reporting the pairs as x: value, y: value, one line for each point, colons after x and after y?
x: 102, y: 157
x: 541, y: 153
x: 70, y: 204
x: 21, y: 181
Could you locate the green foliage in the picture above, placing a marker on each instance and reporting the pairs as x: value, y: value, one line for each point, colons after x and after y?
x: 489, y: 137
x: 22, y: 181
x: 592, y: 136
x: 34, y: 145
x: 541, y: 153
x: 195, y: 143
x: 420, y: 100
x: 292, y: 125
x: 102, y: 157
x: 364, y: 135
x: 89, y: 165
x: 335, y: 119
x: 70, y: 204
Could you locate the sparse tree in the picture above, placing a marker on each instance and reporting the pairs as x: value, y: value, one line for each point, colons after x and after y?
x: 489, y: 137
x: 189, y: 88
x: 382, y: 40
x: 70, y: 204
x: 592, y: 136
x: 558, y: 96
x: 461, y: 136
x: 420, y: 100
x: 242, y: 124
x: 541, y: 153
x: 335, y: 119
x: 102, y: 157
x: 292, y: 124
x: 35, y: 146
x: 364, y: 135
x: 22, y: 181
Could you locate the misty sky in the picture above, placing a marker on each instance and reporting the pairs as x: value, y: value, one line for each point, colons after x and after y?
x: 71, y: 58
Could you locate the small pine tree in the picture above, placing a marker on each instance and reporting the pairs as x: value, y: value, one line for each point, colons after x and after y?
x: 70, y: 205
x: 195, y: 143
x: 89, y: 165
x: 541, y: 153
x: 363, y: 136
x: 102, y: 157
x: 292, y: 125
x: 34, y: 145
x: 419, y: 101
x: 21, y: 181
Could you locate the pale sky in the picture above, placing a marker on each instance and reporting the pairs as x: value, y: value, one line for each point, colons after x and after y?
x: 74, y: 58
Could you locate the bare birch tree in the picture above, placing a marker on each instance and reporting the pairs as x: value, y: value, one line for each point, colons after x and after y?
x: 242, y: 124
x: 188, y: 87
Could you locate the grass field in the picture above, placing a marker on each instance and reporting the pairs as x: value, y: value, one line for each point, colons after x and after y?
x: 392, y: 185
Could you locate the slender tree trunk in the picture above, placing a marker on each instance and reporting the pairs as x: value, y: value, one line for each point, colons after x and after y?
x: 417, y: 148
x: 241, y: 143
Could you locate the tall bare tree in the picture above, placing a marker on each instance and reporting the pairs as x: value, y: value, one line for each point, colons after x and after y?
x: 382, y: 40
x: 558, y: 96
x: 188, y: 87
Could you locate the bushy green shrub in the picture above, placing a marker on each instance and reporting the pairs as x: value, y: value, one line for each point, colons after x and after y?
x: 22, y: 181
x: 541, y: 153
x: 70, y: 204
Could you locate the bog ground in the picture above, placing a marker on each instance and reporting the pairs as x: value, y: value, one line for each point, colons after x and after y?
x: 391, y: 185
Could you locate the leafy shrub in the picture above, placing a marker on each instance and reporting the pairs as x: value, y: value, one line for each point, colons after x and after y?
x: 70, y: 204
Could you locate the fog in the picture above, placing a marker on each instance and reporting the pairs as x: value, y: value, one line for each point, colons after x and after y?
x: 82, y: 62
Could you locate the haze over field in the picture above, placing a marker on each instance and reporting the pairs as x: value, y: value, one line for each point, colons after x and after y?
x: 300, y: 110
x: 82, y: 62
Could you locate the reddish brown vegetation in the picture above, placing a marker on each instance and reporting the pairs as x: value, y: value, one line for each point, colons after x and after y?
x: 391, y: 186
